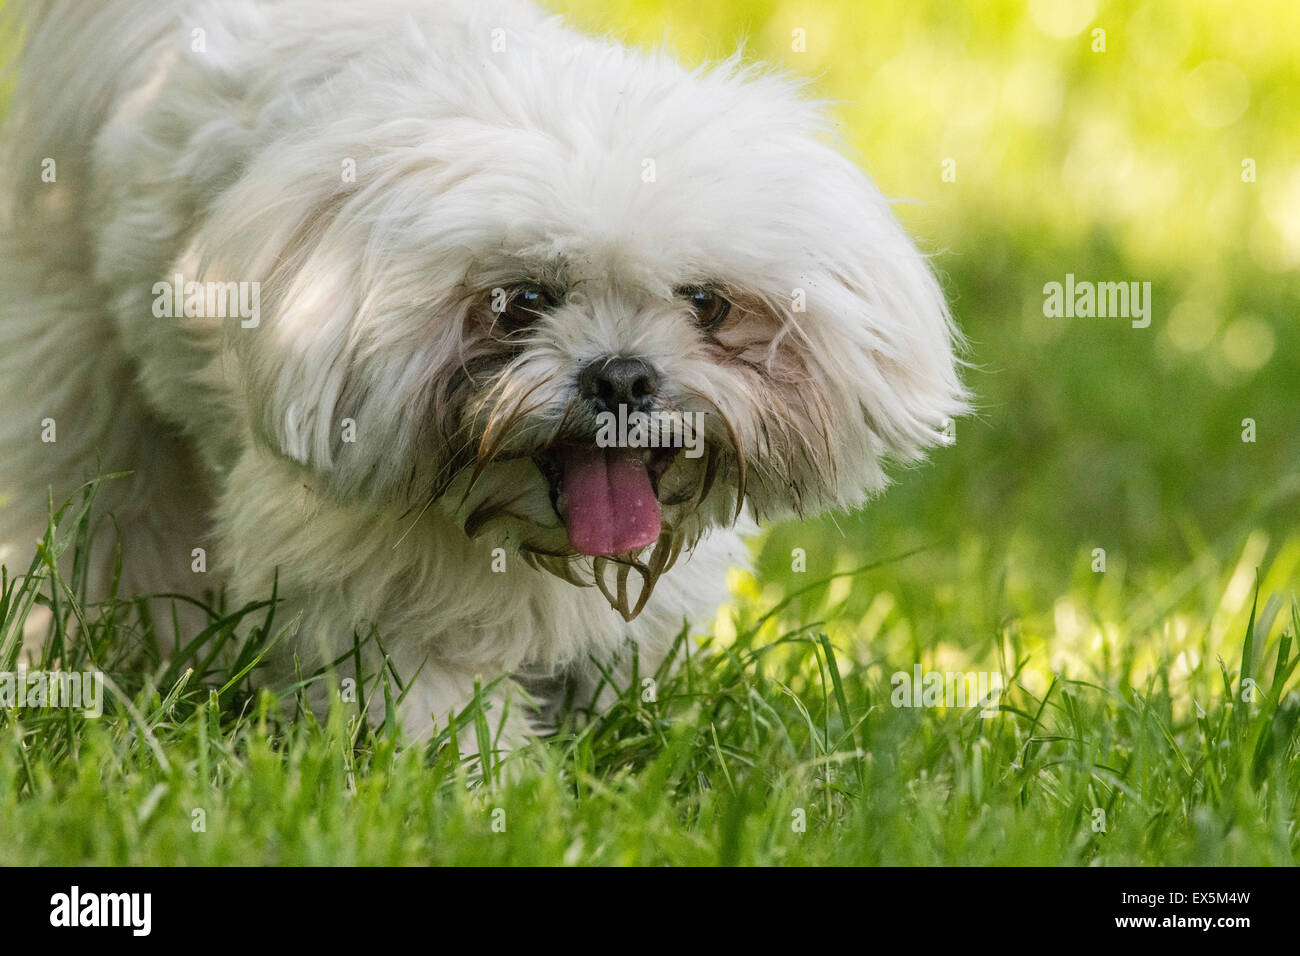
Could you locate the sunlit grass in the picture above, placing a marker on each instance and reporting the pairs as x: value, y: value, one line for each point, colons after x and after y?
x: 776, y: 744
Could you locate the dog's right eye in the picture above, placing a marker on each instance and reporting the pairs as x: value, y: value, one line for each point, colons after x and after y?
x: 710, y: 308
x: 522, y: 305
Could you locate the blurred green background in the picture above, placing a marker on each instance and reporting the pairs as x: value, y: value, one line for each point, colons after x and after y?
x: 1118, y: 156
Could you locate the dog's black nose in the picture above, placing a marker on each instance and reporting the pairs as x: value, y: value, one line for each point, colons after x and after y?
x: 610, y: 382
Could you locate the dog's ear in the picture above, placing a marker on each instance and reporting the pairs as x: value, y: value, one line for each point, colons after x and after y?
x: 864, y: 363
x: 293, y: 366
x: 901, y: 345
x: 339, y: 372
x: 887, y: 340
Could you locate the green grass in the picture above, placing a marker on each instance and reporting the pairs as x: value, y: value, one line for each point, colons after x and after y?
x: 754, y: 731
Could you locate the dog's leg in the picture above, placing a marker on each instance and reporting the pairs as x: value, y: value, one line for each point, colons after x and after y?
x: 426, y: 693
x: 593, y: 689
x: 72, y: 413
x: 356, y: 594
x: 440, y: 692
x: 692, y: 591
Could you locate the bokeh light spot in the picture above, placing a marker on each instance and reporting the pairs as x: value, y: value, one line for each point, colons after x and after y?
x: 1062, y: 18
x: 1216, y: 93
x: 1248, y: 343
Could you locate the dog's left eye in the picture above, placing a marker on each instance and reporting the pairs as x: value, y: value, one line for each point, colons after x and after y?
x: 710, y: 308
x: 525, y: 304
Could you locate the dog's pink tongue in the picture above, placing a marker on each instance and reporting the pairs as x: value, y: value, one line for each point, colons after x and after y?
x: 609, y: 504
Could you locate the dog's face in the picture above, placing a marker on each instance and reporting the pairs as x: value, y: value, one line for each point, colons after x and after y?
x: 569, y: 234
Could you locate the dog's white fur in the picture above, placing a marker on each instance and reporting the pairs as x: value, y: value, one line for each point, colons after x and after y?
x: 491, y: 144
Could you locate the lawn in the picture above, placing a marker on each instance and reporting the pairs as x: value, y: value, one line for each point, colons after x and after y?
x: 1112, y: 533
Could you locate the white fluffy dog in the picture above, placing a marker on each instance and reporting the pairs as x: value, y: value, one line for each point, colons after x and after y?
x: 347, y: 286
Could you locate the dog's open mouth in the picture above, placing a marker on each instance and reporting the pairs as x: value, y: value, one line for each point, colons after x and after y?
x: 607, y: 498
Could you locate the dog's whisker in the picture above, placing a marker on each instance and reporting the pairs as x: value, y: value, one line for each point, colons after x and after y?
x: 737, y: 450
x: 492, y: 439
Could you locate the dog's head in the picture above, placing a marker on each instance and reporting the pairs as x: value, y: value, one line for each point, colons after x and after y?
x: 588, y: 303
